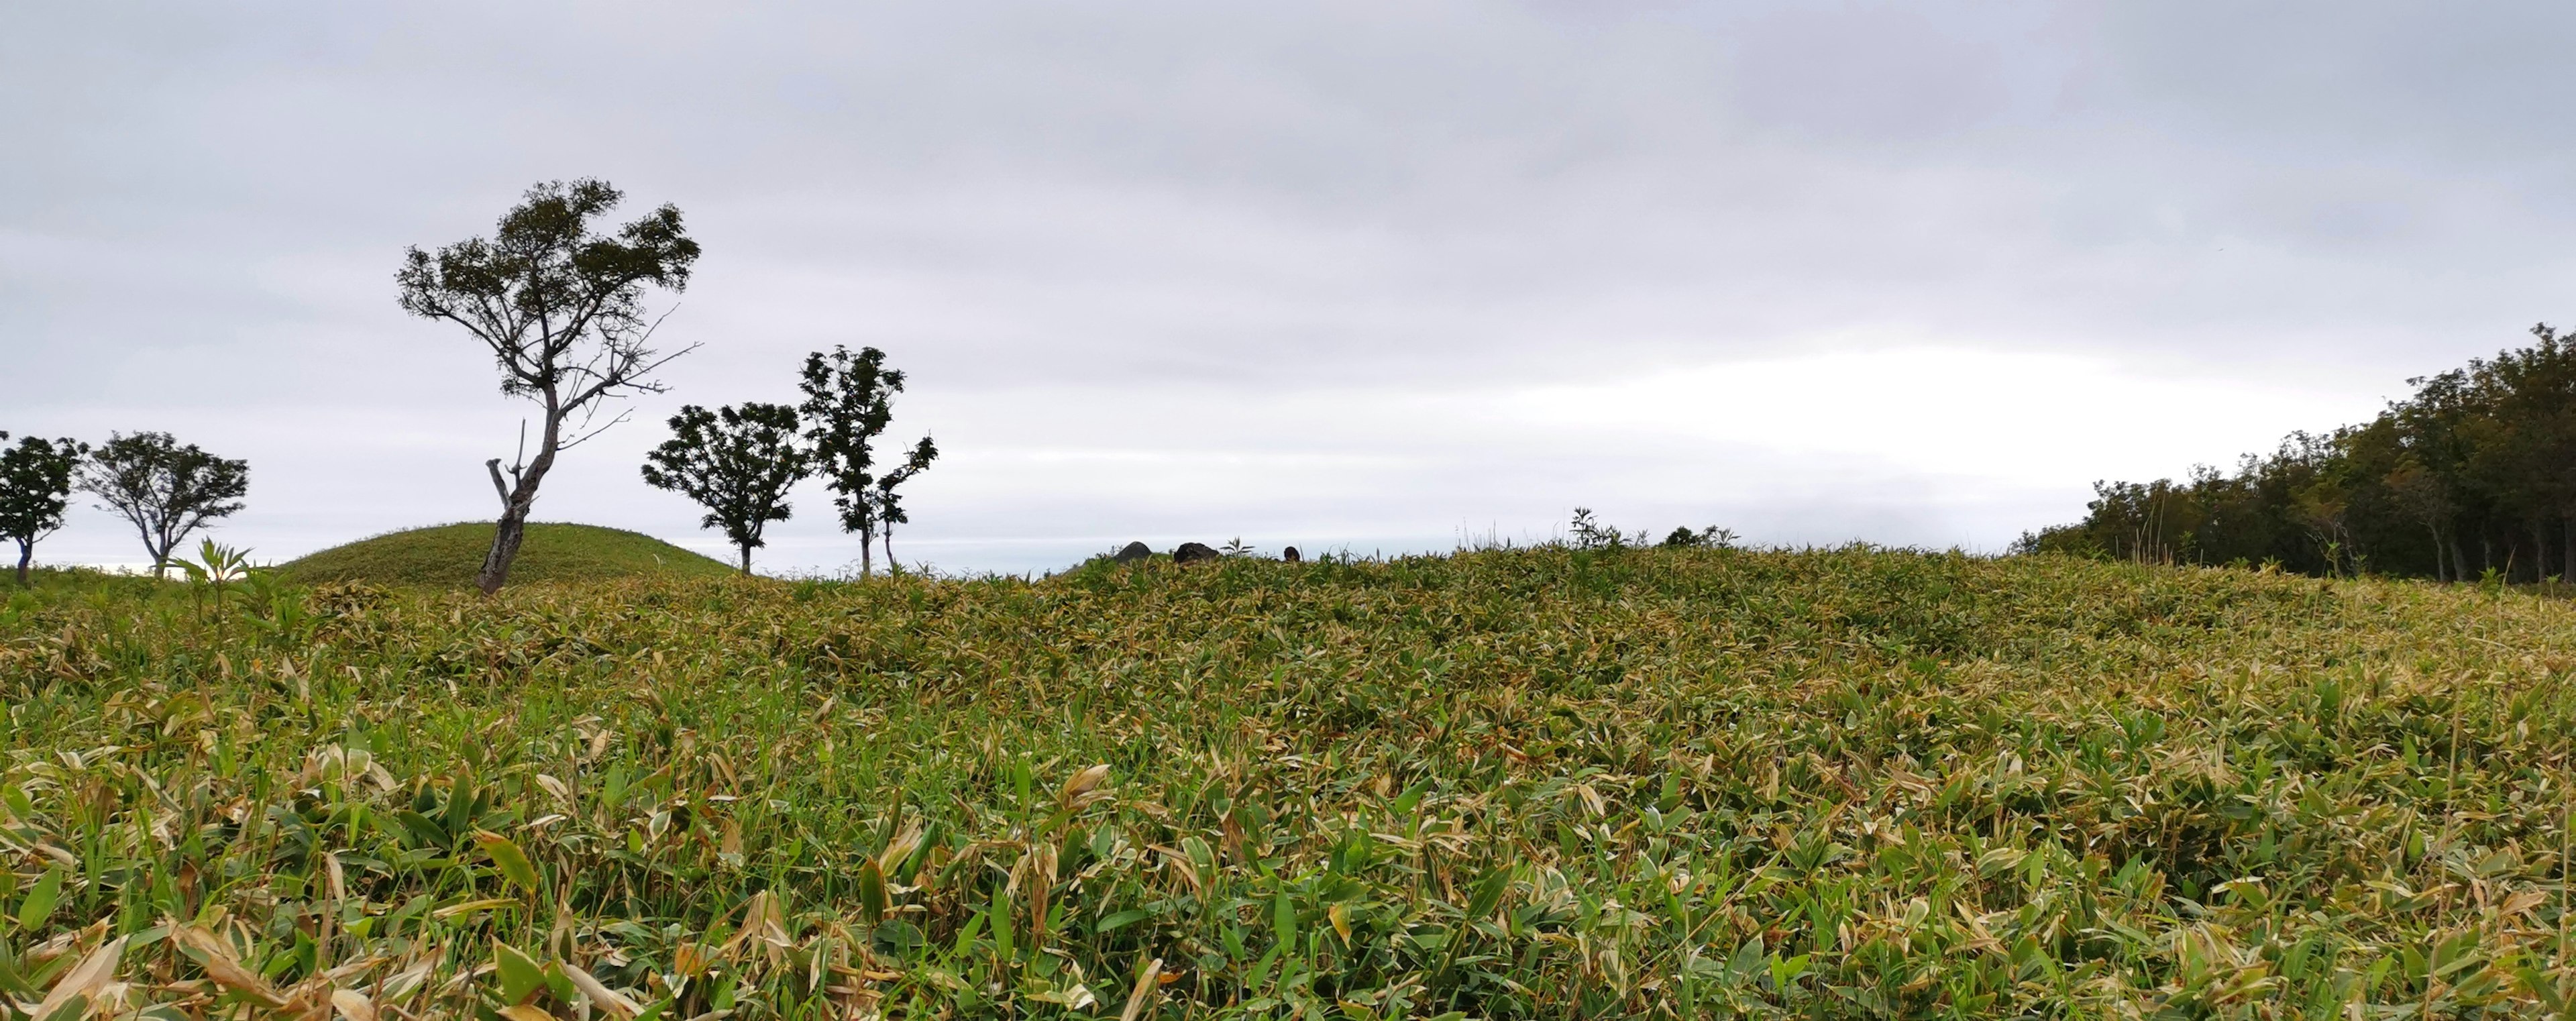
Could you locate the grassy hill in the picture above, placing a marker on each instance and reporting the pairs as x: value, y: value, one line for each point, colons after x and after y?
x: 1536, y: 783
x: 447, y: 556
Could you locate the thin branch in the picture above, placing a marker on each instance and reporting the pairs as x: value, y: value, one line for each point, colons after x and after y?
x: 586, y: 436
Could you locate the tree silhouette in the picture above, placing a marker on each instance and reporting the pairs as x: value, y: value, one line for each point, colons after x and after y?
x: 888, y: 503
x: 849, y: 400
x: 738, y: 464
x: 561, y: 306
x: 35, y: 488
x: 163, y: 489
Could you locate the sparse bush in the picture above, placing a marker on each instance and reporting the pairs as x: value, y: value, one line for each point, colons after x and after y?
x: 1710, y: 537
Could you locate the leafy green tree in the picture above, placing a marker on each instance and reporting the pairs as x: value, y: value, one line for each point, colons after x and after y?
x: 849, y: 401
x: 888, y: 504
x: 2474, y: 472
x: 737, y: 463
x: 562, y: 308
x: 163, y: 489
x: 35, y: 488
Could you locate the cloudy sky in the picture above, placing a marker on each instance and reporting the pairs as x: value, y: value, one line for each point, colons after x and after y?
x: 1382, y: 276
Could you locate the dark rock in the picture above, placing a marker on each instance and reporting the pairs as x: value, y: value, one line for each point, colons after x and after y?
x: 1133, y: 552
x: 1193, y: 552
x: 1289, y: 554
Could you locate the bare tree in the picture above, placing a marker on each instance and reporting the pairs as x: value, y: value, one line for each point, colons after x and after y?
x: 163, y: 489
x: 738, y: 464
x: 562, y: 308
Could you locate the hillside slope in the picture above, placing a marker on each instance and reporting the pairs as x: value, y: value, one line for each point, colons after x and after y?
x: 1518, y: 784
x: 447, y: 556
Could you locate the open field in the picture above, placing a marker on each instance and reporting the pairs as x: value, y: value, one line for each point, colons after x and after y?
x: 1541, y: 783
x: 446, y: 556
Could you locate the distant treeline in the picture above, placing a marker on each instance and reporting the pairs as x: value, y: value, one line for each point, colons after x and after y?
x: 2475, y: 472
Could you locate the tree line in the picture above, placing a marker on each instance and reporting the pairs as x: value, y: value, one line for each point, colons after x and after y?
x: 162, y: 488
x: 563, y: 306
x: 2473, y: 475
x: 739, y: 463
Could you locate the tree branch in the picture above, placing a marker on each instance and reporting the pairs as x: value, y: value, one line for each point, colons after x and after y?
x: 498, y: 486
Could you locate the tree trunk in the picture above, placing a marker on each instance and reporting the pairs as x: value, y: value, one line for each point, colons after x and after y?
x: 517, y: 500
x: 746, y: 558
x: 512, y: 530
x: 867, y: 552
x: 889, y: 547
x: 2437, y: 550
x: 26, y: 553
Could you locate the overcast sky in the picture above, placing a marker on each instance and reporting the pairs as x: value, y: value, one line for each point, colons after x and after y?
x: 1370, y: 275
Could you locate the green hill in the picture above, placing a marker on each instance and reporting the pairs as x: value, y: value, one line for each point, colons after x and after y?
x: 446, y: 556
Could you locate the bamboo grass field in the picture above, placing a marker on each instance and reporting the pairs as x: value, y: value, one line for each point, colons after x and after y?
x: 1539, y: 783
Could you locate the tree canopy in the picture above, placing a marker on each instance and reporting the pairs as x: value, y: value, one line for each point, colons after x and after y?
x: 164, y: 489
x: 35, y: 489
x: 849, y: 401
x: 561, y: 306
x: 737, y: 463
x: 2473, y: 472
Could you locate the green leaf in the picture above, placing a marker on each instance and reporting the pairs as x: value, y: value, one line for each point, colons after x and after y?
x: 872, y: 891
x: 39, y: 904
x: 1412, y: 796
x: 423, y: 828
x: 1747, y: 961
x: 1122, y: 920
x: 520, y: 975
x: 1489, y: 893
x: 1785, y: 972
x: 513, y: 862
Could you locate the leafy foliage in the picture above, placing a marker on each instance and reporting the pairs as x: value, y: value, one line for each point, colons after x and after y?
x: 888, y: 501
x: 737, y: 463
x: 163, y: 489
x: 849, y: 402
x: 1711, y: 537
x: 561, y: 307
x: 35, y: 489
x: 2473, y: 473
x: 1530, y: 783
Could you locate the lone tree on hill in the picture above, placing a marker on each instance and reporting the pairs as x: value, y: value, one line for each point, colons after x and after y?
x: 165, y: 490
x: 738, y: 464
x: 849, y: 399
x: 562, y: 308
x: 35, y: 488
x: 888, y: 504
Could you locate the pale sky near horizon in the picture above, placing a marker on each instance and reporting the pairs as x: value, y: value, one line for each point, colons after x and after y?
x: 1372, y: 276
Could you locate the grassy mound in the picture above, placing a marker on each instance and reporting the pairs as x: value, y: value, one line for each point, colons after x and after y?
x: 447, y: 556
x: 1519, y: 784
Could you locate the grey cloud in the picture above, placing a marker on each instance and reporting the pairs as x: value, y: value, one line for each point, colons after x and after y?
x: 1284, y: 205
